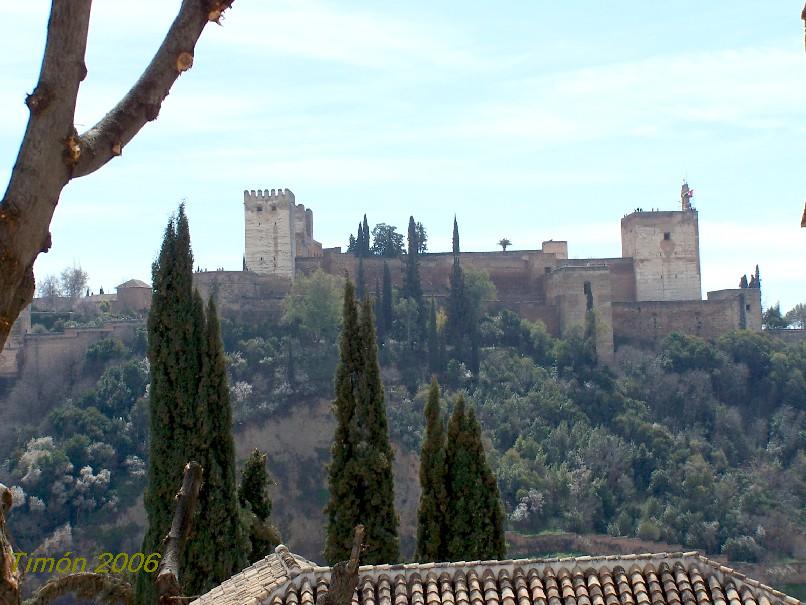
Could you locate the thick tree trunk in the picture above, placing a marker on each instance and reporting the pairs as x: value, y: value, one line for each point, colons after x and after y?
x: 52, y: 152
x: 344, y: 575
x: 9, y: 573
x: 168, y: 588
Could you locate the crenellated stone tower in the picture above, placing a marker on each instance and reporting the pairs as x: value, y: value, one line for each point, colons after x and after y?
x: 270, y: 242
x: 665, y: 248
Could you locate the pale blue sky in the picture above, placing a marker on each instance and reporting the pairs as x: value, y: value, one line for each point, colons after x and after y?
x: 530, y: 120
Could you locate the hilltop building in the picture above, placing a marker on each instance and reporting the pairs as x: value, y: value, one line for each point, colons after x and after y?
x: 652, y: 289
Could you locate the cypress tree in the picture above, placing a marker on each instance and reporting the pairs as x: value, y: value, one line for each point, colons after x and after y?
x: 253, y: 496
x: 217, y: 548
x: 456, y: 326
x: 475, y: 519
x: 371, y: 427
x: 359, y: 242
x: 412, y: 286
x: 386, y: 305
x: 365, y: 231
x: 380, y: 327
x: 175, y: 324
x: 343, y: 510
x: 434, y: 352
x: 361, y: 287
x: 431, y: 536
x: 360, y: 472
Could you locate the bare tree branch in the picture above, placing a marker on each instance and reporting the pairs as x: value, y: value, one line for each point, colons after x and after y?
x: 344, y: 575
x: 142, y: 103
x: 96, y: 587
x: 9, y: 574
x: 52, y: 152
x: 168, y: 588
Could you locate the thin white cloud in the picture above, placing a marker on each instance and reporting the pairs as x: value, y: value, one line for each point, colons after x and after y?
x: 315, y: 30
x: 748, y: 88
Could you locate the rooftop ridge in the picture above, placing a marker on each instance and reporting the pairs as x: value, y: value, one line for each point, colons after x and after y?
x: 314, y: 575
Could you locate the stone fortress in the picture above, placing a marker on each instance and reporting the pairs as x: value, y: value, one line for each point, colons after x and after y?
x: 652, y: 289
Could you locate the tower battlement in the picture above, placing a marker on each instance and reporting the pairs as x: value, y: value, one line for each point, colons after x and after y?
x: 252, y: 198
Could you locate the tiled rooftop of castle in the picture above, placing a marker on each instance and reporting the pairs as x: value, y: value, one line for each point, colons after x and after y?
x: 647, y: 579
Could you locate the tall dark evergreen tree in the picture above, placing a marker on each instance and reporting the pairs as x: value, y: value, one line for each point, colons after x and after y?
x: 387, y: 302
x: 360, y: 280
x: 253, y: 496
x: 412, y: 286
x: 175, y: 324
x: 218, y: 547
x: 431, y: 521
x: 359, y: 241
x: 366, y: 239
x: 344, y: 508
x: 457, y: 311
x: 379, y: 323
x: 360, y: 473
x: 383, y: 543
x: 475, y: 518
x: 434, y: 345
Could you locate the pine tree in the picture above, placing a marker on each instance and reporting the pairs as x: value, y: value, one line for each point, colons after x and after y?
x: 387, y: 303
x: 253, y: 496
x: 175, y: 324
x: 434, y: 348
x: 475, y: 518
x: 431, y: 536
x: 360, y: 472
x: 217, y: 548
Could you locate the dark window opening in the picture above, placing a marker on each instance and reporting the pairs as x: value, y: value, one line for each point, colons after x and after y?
x: 667, y: 236
x: 260, y: 208
x: 747, y: 307
x: 548, y: 269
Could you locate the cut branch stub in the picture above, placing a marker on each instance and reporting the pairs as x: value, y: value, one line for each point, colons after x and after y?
x: 184, y: 61
x: 217, y: 10
x: 38, y: 100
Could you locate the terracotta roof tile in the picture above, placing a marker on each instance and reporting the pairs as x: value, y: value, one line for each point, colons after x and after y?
x: 647, y: 579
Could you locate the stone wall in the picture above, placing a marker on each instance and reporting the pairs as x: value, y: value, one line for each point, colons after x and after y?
x: 46, y: 354
x: 240, y: 291
x: 665, y: 249
x: 576, y: 290
x: 11, y: 355
x: 790, y: 337
x: 270, y: 242
x: 647, y: 323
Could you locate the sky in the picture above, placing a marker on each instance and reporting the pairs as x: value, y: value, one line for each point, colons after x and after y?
x: 530, y: 120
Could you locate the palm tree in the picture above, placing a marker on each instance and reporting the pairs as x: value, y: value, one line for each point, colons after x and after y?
x: 504, y: 243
